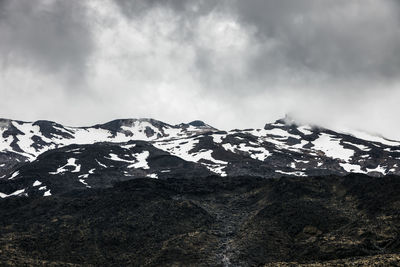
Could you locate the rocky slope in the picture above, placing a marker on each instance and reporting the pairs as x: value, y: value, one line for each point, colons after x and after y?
x: 214, y: 221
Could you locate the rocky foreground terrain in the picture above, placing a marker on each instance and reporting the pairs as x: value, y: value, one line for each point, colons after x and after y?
x: 140, y: 192
x: 213, y: 221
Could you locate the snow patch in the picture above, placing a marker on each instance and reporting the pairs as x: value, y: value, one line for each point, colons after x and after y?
x: 332, y: 148
x: 141, y: 160
x: 351, y: 168
x: 258, y: 153
x: 129, y: 146
x: 217, y: 169
x: 16, y: 193
x: 84, y: 182
x: 115, y: 157
x: 152, y: 175
x: 301, y: 145
x: 179, y: 148
x: 15, y: 174
x: 295, y: 173
x: 359, y: 146
x: 70, y: 162
x: 101, y: 164
x: 37, y: 183
x: 379, y: 168
x: 280, y: 132
x: 217, y: 138
x: 305, y: 130
x: 373, y: 138
x: 25, y: 141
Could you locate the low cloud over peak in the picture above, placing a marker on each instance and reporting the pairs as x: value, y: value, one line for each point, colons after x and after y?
x: 230, y: 63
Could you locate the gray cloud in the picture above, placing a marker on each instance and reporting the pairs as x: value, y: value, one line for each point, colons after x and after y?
x: 51, y: 35
x: 186, y: 7
x: 232, y: 63
x: 339, y: 38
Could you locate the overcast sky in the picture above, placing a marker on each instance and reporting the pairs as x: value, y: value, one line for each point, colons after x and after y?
x: 233, y: 63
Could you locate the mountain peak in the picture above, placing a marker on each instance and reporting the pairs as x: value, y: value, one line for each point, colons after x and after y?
x: 198, y: 123
x: 287, y: 120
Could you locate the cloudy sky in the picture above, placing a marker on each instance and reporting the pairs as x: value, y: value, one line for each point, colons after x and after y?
x: 233, y: 63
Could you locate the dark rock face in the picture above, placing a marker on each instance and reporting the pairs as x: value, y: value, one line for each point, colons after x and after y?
x: 211, y: 221
x: 198, y: 123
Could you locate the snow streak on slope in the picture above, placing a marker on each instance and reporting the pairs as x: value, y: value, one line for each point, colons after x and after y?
x: 258, y: 153
x: 70, y: 163
x: 16, y: 193
x: 373, y: 138
x: 184, y: 148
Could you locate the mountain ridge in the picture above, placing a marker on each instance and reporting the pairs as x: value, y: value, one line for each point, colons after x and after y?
x: 135, y: 148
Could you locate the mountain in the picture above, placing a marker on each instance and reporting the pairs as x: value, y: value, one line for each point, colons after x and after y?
x: 141, y: 192
x: 46, y: 158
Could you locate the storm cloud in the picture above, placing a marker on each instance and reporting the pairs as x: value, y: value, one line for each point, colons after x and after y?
x: 231, y: 63
x: 53, y: 36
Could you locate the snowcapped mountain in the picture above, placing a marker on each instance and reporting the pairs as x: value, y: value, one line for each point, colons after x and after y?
x: 43, y: 157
